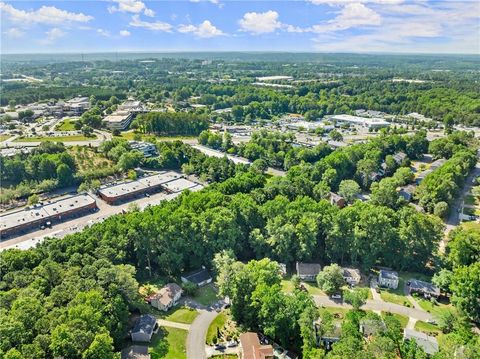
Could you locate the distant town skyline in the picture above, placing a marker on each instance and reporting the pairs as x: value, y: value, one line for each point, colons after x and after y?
x: 390, y: 26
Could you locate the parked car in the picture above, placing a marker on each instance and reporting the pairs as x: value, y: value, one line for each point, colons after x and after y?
x: 232, y: 344
x: 336, y: 296
x: 219, y: 347
x: 431, y: 321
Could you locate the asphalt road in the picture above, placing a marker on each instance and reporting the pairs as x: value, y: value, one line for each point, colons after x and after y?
x: 198, y: 333
x: 379, y: 305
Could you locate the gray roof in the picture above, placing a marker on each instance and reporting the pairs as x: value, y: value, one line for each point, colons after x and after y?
x: 428, y: 344
x: 308, y: 268
x: 372, y: 326
x: 424, y: 287
x: 388, y: 274
x: 145, y: 324
x: 135, y: 352
x: 197, y: 276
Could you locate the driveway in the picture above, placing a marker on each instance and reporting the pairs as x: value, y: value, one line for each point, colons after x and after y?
x: 168, y: 323
x: 377, y: 305
x: 198, y: 333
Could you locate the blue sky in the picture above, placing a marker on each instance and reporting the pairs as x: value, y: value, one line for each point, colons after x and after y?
x: 404, y: 26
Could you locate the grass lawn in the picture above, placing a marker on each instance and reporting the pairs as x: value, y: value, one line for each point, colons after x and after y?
x: 426, y: 328
x: 181, y: 315
x: 403, y: 319
x: 338, y: 313
x: 224, y: 356
x: 4, y: 137
x: 435, y: 309
x: 205, y: 295
x: 217, y: 324
x: 471, y: 225
x: 394, y: 298
x: 169, y: 343
x: 287, y: 285
x: 56, y: 139
x: 66, y: 125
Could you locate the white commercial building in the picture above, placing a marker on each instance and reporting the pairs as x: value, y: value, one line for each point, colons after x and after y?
x: 119, y: 120
x: 369, y: 122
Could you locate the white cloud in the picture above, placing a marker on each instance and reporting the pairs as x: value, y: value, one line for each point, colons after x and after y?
x: 131, y: 6
x: 14, y: 33
x: 352, y: 15
x: 53, y: 35
x: 258, y: 23
x: 124, y: 33
x: 45, y: 15
x: 103, y: 32
x: 155, y: 25
x: 346, y: 2
x: 205, y: 30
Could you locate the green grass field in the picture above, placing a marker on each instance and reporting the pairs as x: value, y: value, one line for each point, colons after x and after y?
x: 169, y: 343
x: 217, y: 324
x: 403, y: 319
x: 4, y: 137
x: 66, y: 125
x: 426, y: 328
x: 435, y: 309
x: 56, y: 139
x: 182, y: 315
x: 388, y: 296
x: 205, y: 295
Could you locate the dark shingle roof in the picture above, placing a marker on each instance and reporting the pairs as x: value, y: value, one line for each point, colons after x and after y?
x: 388, y: 274
x: 197, y: 276
x: 308, y: 268
x: 145, y: 324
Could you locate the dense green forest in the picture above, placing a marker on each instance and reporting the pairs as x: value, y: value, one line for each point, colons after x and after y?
x: 71, y: 297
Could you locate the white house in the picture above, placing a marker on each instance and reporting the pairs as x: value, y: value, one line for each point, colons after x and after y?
x: 166, y: 297
x: 388, y: 279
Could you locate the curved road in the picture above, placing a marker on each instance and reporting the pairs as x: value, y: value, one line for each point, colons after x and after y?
x: 198, y: 333
x: 380, y: 305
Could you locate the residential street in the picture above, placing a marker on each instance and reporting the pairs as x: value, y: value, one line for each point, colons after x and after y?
x: 198, y: 333
x: 377, y: 305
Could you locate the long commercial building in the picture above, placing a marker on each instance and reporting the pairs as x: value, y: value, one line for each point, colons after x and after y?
x: 170, y: 182
x: 38, y: 215
x: 368, y: 122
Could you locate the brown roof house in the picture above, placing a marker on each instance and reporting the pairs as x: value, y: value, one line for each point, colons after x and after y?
x: 337, y: 200
x: 351, y: 275
x: 308, y: 271
x: 166, y: 297
x: 250, y: 347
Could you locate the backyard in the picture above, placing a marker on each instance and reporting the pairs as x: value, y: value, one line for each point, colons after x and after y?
x: 169, y: 343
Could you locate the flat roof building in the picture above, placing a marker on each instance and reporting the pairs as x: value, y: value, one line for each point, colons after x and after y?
x: 119, y: 120
x: 127, y: 190
x: 38, y: 215
x: 369, y: 122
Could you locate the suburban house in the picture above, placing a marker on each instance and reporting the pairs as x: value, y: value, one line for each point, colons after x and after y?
x: 308, y: 271
x: 407, y: 192
x: 330, y: 337
x: 351, y: 275
x: 388, y: 279
x: 251, y: 348
x: 135, y: 352
x: 370, y: 327
x: 166, y: 297
x: 399, y: 157
x: 337, y: 200
x: 427, y: 343
x: 421, y: 287
x: 144, y: 328
x: 200, y: 277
